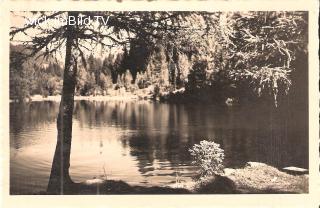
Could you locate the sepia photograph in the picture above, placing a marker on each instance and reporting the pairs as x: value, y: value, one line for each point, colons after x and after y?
x: 158, y: 102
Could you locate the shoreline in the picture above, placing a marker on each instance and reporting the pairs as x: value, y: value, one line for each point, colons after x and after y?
x: 253, y: 178
x: 57, y: 98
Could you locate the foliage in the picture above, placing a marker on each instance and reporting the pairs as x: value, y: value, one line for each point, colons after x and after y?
x: 219, y: 55
x: 197, y: 77
x: 18, y: 87
x: 156, y: 91
x: 209, y: 157
x: 261, y: 46
x: 32, y: 77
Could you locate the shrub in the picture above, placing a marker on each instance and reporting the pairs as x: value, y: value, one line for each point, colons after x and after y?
x: 156, y: 91
x: 197, y: 76
x: 209, y: 157
x: 45, y: 93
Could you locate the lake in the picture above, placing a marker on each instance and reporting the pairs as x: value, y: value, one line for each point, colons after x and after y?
x: 146, y: 143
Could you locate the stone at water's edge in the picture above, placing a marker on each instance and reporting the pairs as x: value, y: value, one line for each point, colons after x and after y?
x: 295, y: 170
x: 290, y: 170
x: 94, y: 181
x: 229, y: 171
x: 255, y: 164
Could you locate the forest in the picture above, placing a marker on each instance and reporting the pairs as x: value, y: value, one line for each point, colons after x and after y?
x: 224, y: 57
x: 182, y: 68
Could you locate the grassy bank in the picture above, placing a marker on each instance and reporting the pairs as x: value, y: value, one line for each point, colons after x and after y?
x: 254, y: 178
x: 261, y: 178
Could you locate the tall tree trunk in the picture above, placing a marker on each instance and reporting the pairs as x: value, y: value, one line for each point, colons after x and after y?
x: 175, y: 58
x: 59, y: 177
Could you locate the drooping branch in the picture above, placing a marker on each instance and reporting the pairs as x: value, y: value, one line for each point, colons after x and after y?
x: 14, y: 30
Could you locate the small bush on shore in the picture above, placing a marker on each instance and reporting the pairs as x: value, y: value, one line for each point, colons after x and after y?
x: 209, y: 157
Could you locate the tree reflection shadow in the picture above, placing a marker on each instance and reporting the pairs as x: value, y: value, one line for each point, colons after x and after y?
x: 161, y: 134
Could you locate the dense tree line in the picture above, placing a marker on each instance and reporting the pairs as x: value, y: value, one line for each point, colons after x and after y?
x: 34, y: 76
x: 242, y: 55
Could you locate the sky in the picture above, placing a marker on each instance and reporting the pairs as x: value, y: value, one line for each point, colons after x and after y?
x: 19, y: 19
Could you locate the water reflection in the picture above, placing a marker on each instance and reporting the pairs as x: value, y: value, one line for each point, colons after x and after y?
x: 147, y: 143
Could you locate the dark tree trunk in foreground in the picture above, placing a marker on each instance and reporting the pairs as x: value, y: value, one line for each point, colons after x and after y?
x: 59, y: 177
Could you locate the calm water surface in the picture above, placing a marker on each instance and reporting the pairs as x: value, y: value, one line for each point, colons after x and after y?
x: 147, y: 143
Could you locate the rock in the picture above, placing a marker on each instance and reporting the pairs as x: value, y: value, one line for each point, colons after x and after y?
x: 34, y: 98
x: 295, y: 170
x: 228, y: 171
x: 255, y: 164
x: 179, y: 91
x: 274, y: 179
x: 231, y: 101
x: 219, y: 185
x: 94, y: 181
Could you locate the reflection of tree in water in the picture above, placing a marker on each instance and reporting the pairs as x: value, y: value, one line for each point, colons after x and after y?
x: 142, y: 148
x: 111, y: 113
x: 90, y: 113
x: 148, y: 148
x: 163, y: 133
x: 266, y: 135
x: 32, y: 115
